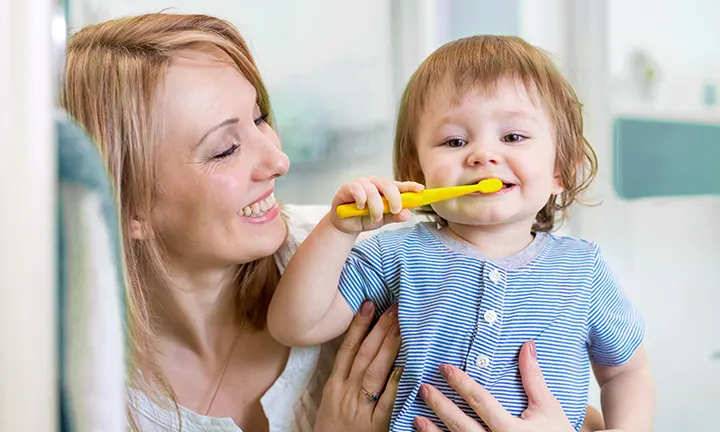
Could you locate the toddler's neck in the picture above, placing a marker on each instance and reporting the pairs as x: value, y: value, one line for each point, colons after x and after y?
x: 494, y: 242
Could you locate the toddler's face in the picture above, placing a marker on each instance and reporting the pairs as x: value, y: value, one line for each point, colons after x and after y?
x: 505, y: 135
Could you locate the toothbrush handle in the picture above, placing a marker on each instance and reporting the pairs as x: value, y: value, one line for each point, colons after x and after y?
x: 425, y: 197
x: 351, y: 210
x: 409, y: 200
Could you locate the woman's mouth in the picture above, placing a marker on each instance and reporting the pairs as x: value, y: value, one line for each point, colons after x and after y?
x: 258, y: 209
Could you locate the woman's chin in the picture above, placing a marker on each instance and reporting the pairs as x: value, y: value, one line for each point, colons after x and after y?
x: 257, y: 244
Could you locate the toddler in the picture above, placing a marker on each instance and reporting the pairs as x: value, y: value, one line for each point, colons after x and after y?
x: 486, y: 275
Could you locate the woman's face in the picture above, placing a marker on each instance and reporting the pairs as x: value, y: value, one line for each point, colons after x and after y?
x: 216, y: 167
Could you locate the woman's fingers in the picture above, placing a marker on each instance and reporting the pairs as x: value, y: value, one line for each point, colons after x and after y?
x: 423, y: 424
x: 372, y: 344
x: 448, y: 412
x: 532, y: 378
x: 480, y: 400
x: 377, y: 373
x: 383, y: 410
x: 354, y: 337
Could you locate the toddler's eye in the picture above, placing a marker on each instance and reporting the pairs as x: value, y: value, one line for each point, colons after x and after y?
x: 455, y: 143
x: 513, y: 138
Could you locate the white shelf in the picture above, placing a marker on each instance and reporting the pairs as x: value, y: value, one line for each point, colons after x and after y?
x: 699, y: 116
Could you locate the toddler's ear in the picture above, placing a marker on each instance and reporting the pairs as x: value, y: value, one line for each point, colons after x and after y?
x: 557, y: 187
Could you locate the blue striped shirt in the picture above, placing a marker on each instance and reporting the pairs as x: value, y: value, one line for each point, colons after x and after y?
x: 458, y: 307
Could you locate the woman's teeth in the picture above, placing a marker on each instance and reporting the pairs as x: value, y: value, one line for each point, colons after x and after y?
x: 259, y: 208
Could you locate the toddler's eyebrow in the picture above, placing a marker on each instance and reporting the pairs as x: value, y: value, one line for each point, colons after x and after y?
x: 515, y: 115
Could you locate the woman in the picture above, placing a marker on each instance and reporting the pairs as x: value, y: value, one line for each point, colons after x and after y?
x: 181, y: 116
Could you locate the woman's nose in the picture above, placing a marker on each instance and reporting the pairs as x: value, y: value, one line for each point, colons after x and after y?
x: 272, y: 163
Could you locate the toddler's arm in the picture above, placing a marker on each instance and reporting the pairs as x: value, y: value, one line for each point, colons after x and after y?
x: 627, y: 393
x: 620, y: 363
x: 307, y: 308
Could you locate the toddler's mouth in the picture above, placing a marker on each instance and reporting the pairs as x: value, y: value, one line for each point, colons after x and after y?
x: 506, y: 185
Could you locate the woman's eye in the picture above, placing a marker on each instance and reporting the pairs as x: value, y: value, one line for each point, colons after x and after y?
x: 260, y: 120
x: 227, y: 153
x: 455, y: 143
x: 513, y: 138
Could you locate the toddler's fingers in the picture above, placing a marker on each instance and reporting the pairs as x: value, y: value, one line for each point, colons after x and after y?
x: 374, y: 200
x: 351, y: 192
x: 401, y: 217
x: 409, y: 186
x: 391, y: 193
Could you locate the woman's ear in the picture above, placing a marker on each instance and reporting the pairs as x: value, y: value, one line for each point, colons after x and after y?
x: 138, y: 230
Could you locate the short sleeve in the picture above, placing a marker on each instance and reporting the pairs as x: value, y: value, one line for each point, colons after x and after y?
x: 363, y: 277
x: 616, y: 329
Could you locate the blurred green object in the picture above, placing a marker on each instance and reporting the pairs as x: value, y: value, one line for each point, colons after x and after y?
x: 664, y: 158
x: 303, y: 124
x: 65, y: 4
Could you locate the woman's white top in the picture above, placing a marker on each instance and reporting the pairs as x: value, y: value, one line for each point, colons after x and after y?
x: 292, y: 402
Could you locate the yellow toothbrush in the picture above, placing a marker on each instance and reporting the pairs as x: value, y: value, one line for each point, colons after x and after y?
x: 425, y: 197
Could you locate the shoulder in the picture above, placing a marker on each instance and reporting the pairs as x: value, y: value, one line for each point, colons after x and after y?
x: 401, y: 235
x: 396, y: 244
x: 300, y: 221
x: 573, y: 247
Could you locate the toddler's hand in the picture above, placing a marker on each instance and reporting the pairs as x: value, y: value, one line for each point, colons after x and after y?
x: 366, y: 192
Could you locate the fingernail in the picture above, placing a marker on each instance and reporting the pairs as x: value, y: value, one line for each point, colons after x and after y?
x: 423, y: 391
x: 446, y: 371
x: 395, y: 330
x: 366, y: 308
x: 396, y: 374
x: 393, y: 311
x: 533, y: 349
x: 420, y: 423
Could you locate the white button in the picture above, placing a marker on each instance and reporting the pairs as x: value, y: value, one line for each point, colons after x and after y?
x: 494, y: 275
x: 482, y: 361
x: 490, y: 316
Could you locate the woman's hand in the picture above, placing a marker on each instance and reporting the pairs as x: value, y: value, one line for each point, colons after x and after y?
x: 543, y: 414
x: 358, y: 395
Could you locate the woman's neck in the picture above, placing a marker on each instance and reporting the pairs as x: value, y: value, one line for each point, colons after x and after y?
x: 198, y: 309
x: 498, y: 241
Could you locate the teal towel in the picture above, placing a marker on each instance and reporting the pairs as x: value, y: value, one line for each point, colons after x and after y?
x: 91, y: 298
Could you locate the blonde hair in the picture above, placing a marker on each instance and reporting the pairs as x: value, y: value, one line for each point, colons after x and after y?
x: 111, y: 76
x: 478, y: 63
